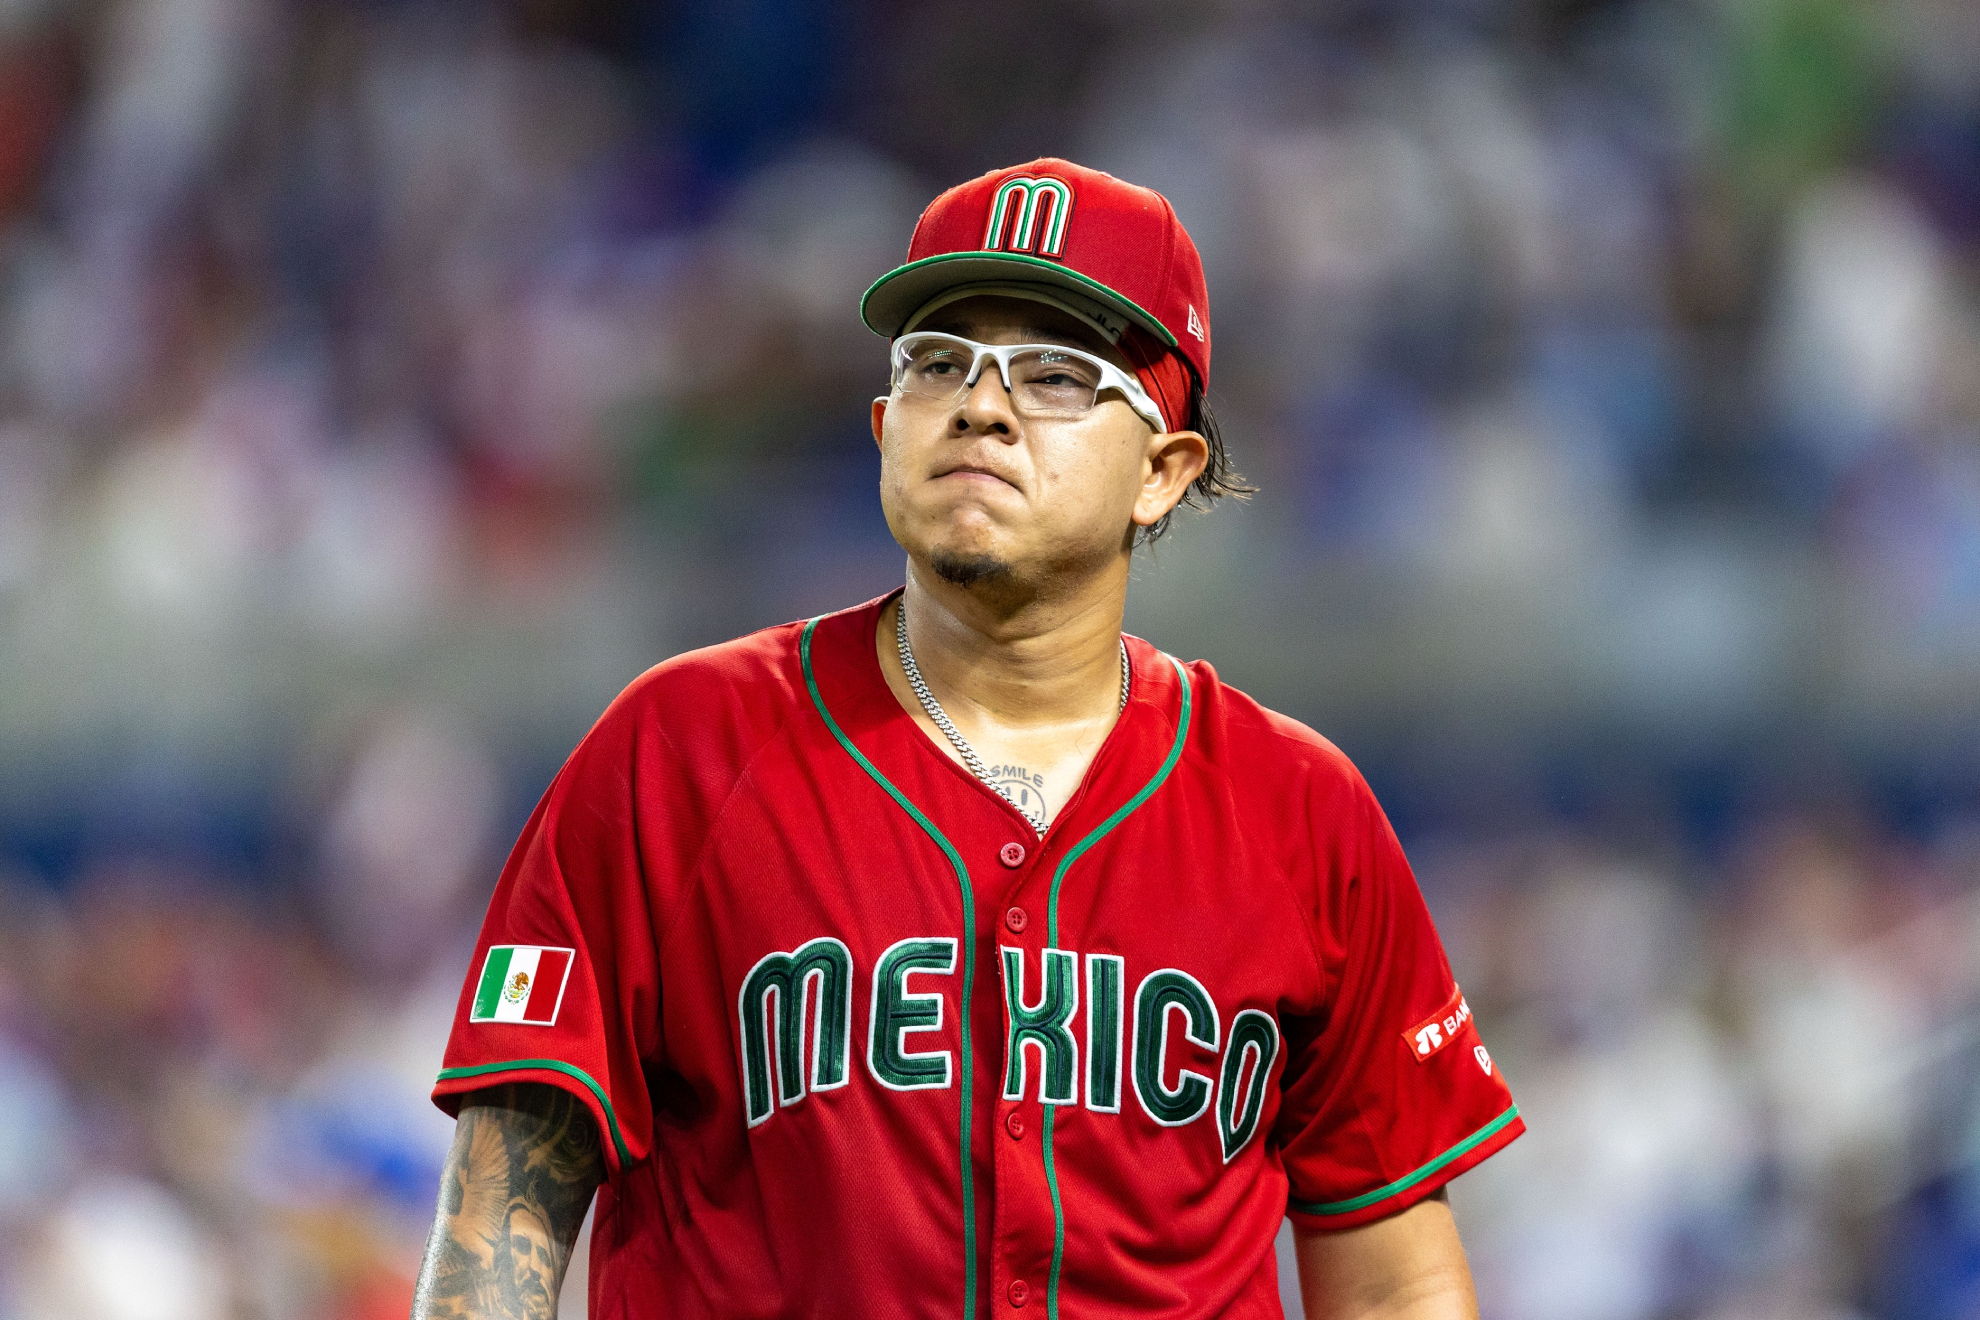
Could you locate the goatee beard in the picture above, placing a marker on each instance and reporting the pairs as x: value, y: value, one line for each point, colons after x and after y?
x: 969, y: 570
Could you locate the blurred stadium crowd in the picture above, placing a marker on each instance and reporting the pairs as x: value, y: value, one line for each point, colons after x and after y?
x: 384, y: 384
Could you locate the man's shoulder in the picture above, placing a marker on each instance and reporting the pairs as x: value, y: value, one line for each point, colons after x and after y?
x: 1255, y: 745
x: 725, y: 701
x: 747, y: 681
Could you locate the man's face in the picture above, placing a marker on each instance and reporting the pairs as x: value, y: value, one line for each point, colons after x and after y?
x: 984, y: 495
x: 533, y: 1269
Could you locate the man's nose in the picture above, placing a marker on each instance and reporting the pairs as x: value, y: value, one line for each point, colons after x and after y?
x: 987, y: 406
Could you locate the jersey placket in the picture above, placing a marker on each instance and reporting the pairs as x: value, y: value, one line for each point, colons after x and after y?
x: 1035, y: 1010
x: 1021, y: 1224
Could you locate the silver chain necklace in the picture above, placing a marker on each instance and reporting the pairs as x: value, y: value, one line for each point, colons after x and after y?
x: 954, y: 735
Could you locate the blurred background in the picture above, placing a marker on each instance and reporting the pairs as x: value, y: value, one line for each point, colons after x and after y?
x: 380, y: 392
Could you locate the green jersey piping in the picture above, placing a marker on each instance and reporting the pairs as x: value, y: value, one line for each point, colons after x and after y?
x: 557, y: 1066
x: 1410, y: 1180
x: 1052, y: 941
x: 1107, y: 826
x: 969, y: 954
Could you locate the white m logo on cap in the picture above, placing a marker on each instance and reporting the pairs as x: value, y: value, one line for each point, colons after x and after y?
x: 1021, y: 220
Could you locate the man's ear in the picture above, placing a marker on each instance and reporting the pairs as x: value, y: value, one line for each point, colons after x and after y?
x: 1174, y: 461
x: 879, y: 416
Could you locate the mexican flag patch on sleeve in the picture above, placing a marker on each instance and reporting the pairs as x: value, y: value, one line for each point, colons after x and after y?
x: 522, y: 983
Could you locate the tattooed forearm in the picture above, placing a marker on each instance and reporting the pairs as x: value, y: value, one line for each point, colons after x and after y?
x: 513, y: 1193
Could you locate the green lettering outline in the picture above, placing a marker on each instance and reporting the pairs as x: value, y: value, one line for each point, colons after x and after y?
x: 1048, y: 1025
x: 1254, y: 1032
x: 1166, y: 990
x: 896, y: 1011
x: 785, y: 981
x: 1106, y: 1012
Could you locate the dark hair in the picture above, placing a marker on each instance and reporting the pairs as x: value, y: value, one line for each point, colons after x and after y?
x: 1218, y: 479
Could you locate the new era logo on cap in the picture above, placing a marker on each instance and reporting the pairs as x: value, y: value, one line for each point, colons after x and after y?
x: 1054, y: 223
x: 522, y: 983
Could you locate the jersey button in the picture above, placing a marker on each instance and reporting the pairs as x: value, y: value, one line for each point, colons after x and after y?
x: 1020, y: 1292
x: 1017, y: 919
x: 1011, y: 855
x: 1014, y: 1124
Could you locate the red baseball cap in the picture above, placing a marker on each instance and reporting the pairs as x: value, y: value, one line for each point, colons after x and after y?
x: 1116, y: 248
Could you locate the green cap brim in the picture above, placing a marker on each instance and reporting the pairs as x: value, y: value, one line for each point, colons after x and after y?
x: 903, y: 291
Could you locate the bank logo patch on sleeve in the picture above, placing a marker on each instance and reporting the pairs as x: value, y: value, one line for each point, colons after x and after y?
x: 522, y: 983
x: 1432, y: 1034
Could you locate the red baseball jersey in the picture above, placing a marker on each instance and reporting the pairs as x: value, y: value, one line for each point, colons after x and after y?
x: 859, y: 1041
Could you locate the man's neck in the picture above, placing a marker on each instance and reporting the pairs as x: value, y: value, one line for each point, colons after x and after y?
x: 1047, y: 661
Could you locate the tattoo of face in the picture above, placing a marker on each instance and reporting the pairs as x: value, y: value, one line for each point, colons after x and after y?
x: 524, y: 1164
x: 1026, y: 789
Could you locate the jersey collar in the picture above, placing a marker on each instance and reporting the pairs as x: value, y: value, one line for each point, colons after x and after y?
x: 846, y: 666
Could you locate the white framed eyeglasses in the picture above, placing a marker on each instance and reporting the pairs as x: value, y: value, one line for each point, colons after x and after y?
x: 1043, y: 380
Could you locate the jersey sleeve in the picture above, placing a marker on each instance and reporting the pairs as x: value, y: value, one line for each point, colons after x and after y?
x: 1392, y: 1093
x: 564, y: 985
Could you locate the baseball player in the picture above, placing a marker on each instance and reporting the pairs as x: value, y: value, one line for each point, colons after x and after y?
x: 954, y: 955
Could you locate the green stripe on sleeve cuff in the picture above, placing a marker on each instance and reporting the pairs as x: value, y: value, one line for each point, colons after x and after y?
x: 1410, y: 1180
x: 550, y: 1065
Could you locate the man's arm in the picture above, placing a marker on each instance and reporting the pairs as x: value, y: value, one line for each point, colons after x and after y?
x: 513, y: 1193
x: 1408, y: 1265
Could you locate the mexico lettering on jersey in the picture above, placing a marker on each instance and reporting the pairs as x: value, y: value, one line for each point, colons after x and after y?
x: 858, y: 1040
